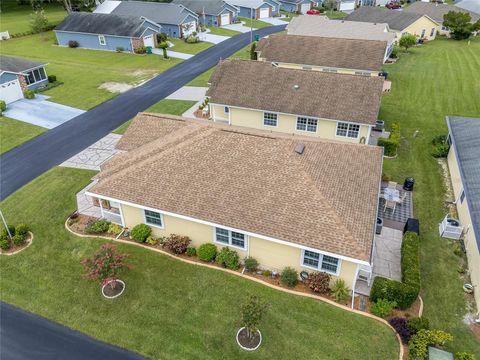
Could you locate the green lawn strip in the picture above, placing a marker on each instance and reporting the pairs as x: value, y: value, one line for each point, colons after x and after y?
x: 336, y: 14
x: 216, y: 30
x: 256, y: 24
x: 16, y: 18
x: 429, y: 83
x: 14, y: 133
x: 184, y: 47
x: 83, y: 71
x: 165, y: 106
x: 170, y: 309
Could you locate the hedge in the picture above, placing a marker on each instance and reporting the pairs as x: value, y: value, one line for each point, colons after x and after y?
x: 391, y: 144
x: 406, y: 292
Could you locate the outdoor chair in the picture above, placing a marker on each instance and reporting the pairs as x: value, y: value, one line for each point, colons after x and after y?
x: 390, y: 205
x: 402, y: 198
x: 392, y: 185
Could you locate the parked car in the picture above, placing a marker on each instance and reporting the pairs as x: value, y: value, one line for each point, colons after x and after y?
x: 393, y: 6
x: 313, y: 12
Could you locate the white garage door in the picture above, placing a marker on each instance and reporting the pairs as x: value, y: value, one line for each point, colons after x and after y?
x: 148, y: 41
x: 347, y: 5
x: 188, y: 28
x: 305, y: 8
x: 11, y: 91
x: 225, y: 19
x: 264, y: 13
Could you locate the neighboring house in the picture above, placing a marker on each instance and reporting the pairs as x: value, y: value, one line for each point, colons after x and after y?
x: 107, y: 31
x: 176, y: 20
x: 463, y: 163
x: 346, y: 5
x: 306, y: 203
x: 256, y: 9
x: 298, y: 6
x: 259, y: 95
x: 400, y: 22
x: 344, y: 56
x: 322, y: 26
x: 436, y: 12
x: 373, y: 2
x: 469, y: 5
x: 211, y: 12
x: 19, y: 75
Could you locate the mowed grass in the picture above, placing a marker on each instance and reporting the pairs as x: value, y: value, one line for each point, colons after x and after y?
x: 256, y: 24
x: 430, y: 82
x: 184, y: 47
x: 170, y: 310
x: 14, y: 133
x: 83, y: 71
x: 216, y: 30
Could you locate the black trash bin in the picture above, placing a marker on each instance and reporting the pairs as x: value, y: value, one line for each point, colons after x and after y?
x: 378, y: 228
x: 412, y: 225
x: 408, y: 184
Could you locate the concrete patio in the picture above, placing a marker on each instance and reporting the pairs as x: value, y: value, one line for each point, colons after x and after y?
x: 403, y: 211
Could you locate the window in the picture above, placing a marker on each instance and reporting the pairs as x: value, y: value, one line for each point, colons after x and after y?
x: 329, y: 264
x: 307, y: 124
x: 311, y: 258
x: 432, y: 32
x: 30, y: 78
x: 35, y: 76
x: 226, y: 109
x: 462, y: 197
x: 101, y: 40
x: 329, y: 70
x: 231, y: 238
x: 153, y: 218
x: 423, y: 34
x: 269, y: 119
x: 348, y: 130
x: 306, y: 67
x: 320, y: 262
x: 363, y: 73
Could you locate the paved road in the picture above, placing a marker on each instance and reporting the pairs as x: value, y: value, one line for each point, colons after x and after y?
x: 24, y: 163
x: 25, y: 336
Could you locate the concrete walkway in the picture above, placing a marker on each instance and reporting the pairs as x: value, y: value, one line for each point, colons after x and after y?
x: 275, y: 21
x: 41, y: 112
x: 238, y: 27
x: 173, y: 54
x: 193, y: 93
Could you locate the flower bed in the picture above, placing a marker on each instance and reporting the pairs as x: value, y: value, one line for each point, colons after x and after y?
x: 15, y: 249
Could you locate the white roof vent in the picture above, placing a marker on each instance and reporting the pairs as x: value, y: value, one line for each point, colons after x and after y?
x: 296, y: 87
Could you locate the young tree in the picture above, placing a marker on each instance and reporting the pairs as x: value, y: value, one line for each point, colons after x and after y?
x: 39, y: 21
x: 330, y: 5
x: 459, y: 24
x: 252, y: 313
x: 164, y: 45
x: 253, y: 54
x: 407, y: 41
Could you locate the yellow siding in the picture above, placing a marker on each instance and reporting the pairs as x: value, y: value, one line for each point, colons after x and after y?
x: 417, y: 27
x: 320, y: 68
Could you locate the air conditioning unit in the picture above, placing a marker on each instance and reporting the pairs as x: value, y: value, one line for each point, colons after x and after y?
x: 450, y: 228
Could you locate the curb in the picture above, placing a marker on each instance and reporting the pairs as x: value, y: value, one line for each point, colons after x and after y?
x: 29, y: 242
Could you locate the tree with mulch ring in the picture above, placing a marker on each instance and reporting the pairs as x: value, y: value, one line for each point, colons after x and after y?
x: 104, y: 267
x: 249, y: 337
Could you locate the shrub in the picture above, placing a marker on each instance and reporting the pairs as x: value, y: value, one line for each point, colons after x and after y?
x: 21, y: 229
x: 390, y: 146
x: 151, y: 241
x: 18, y: 239
x: 97, y: 227
x: 253, y: 53
x: 29, y: 94
x: 464, y: 356
x: 267, y: 273
x: 251, y: 264
x: 141, y: 232
x: 4, y: 233
x: 440, y: 151
x: 407, y: 41
x: 419, y: 343
x: 386, y: 177
x: 417, y: 323
x: 114, y: 229
x: 5, y: 244
x: 252, y: 313
x: 162, y: 37
x: 191, y: 251
x: 400, y: 326
x: 340, y: 290
x: 73, y: 44
x: 119, y: 49
x: 394, y: 53
x: 192, y: 39
x: 162, y: 45
x: 207, y: 252
x: 383, y: 307
x: 228, y: 258
x: 289, y: 277
x: 439, y: 140
x: 3, y: 106
x: 319, y: 282
x: 105, y: 264
x: 52, y: 78
x: 140, y: 50
x: 177, y: 243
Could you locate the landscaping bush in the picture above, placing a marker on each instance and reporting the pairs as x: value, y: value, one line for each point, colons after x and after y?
x: 18, y: 240
x: 419, y: 343
x: 3, y: 106
x: 267, y: 273
x: 394, y: 53
x: 416, y: 324
x: 340, y: 290
x: 105, y: 265
x: 140, y: 50
x: 251, y: 264
x: 29, y: 94
x: 141, y: 232
x: 440, y: 151
x: 114, y: 229
x: 73, y: 44
x: 464, y: 356
x: 439, y: 140
x: 162, y: 37
x: 207, y: 252
x: 253, y: 53
x: 21, y: 229
x: 5, y: 244
x: 177, y: 243
x: 97, y: 227
x: 319, y: 282
x: 119, y: 49
x: 289, y: 277
x: 191, y: 251
x: 4, y: 233
x: 400, y: 326
x: 192, y: 39
x: 151, y: 241
x: 390, y: 146
x: 383, y: 307
x: 228, y: 258
x: 52, y: 78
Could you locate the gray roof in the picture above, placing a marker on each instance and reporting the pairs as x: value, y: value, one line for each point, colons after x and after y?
x: 105, y: 24
x: 18, y: 65
x: 211, y: 7
x: 436, y: 11
x: 470, y: 5
x: 161, y: 13
x: 251, y: 4
x: 465, y: 136
x: 396, y: 20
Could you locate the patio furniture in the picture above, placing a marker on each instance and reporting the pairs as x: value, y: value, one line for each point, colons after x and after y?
x: 392, y: 185
x: 390, y: 205
x: 402, y: 199
x: 390, y: 194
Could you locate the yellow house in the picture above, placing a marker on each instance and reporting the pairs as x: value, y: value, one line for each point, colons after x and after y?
x: 302, y: 202
x: 463, y: 163
x: 263, y: 96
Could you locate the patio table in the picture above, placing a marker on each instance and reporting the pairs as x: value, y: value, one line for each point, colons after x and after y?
x: 391, y: 194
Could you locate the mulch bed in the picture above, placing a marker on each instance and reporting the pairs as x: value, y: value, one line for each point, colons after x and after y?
x: 246, y: 341
x: 117, y: 289
x: 15, y: 248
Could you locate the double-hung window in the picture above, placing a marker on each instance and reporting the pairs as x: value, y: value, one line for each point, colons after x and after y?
x: 307, y: 124
x: 101, y: 40
x: 462, y: 196
x: 269, y: 119
x: 348, y: 130
x: 321, y: 262
x: 153, y: 218
x: 226, y: 109
x: 232, y: 238
x: 432, y: 32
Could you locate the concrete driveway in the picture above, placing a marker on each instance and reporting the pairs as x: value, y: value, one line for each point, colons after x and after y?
x: 275, y: 21
x: 195, y: 93
x: 238, y: 27
x: 41, y: 112
x: 211, y: 38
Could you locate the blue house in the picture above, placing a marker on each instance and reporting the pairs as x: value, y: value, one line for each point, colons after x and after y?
x: 211, y: 12
x: 176, y: 20
x: 106, y: 32
x: 301, y: 6
x: 256, y: 9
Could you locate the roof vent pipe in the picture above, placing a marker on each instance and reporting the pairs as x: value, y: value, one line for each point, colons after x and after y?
x: 296, y: 87
x: 299, y: 148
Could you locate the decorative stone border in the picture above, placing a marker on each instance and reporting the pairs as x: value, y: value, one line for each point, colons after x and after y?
x: 289, y: 291
x: 114, y: 296
x: 245, y: 348
x: 420, y: 310
x: 29, y: 241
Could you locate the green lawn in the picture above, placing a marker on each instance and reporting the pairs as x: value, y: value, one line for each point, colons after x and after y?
x: 216, y: 30
x: 430, y: 82
x: 83, y: 71
x: 16, y: 18
x: 165, y: 106
x: 256, y: 24
x: 14, y: 133
x: 170, y: 310
x: 183, y: 47
x: 336, y: 14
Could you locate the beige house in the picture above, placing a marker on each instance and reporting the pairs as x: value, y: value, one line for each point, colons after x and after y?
x: 285, y: 200
x: 260, y: 95
x: 343, y: 56
x: 463, y: 163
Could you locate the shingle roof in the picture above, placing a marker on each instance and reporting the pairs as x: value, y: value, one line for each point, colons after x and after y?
x: 396, y: 20
x: 106, y: 24
x: 465, y: 133
x: 332, y: 52
x: 161, y: 13
x: 322, y: 26
x: 211, y: 7
x: 436, y: 11
x: 470, y: 5
x: 260, y: 85
x: 18, y: 65
x: 252, y: 4
x: 325, y: 198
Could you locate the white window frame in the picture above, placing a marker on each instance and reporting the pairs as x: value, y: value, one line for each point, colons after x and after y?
x: 245, y: 238
x: 150, y: 224
x: 270, y: 113
x: 306, y: 125
x: 320, y: 261
x: 101, y: 40
x: 348, y: 130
